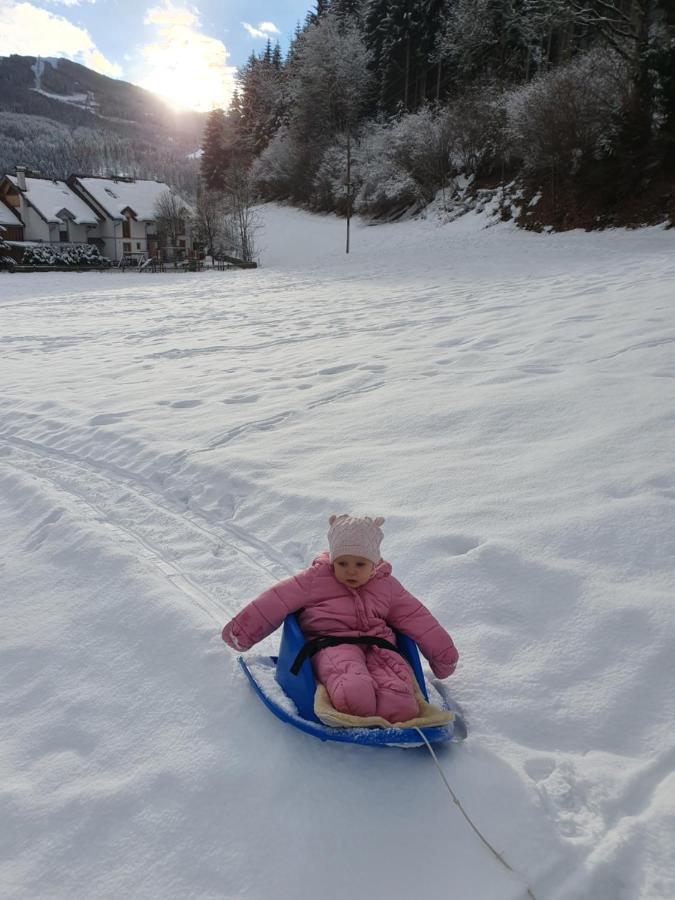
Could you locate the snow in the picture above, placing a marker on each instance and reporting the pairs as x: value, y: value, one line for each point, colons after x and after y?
x: 82, y: 101
x: 7, y: 216
x: 115, y: 196
x: 52, y: 197
x: 172, y: 444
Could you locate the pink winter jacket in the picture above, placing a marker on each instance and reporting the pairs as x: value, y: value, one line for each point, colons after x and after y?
x: 327, y: 607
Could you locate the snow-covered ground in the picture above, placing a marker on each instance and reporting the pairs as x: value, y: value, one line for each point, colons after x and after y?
x: 172, y: 444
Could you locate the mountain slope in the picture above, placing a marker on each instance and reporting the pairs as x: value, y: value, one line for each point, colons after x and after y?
x: 57, y: 116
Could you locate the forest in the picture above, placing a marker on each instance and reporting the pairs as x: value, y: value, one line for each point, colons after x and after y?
x: 565, y: 106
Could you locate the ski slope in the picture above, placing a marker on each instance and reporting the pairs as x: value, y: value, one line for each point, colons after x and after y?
x: 170, y: 445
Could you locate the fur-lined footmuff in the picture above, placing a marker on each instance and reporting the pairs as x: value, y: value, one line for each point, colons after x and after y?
x: 428, y: 716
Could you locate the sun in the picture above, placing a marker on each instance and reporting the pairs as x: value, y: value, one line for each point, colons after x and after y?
x: 202, y: 89
x: 185, y: 66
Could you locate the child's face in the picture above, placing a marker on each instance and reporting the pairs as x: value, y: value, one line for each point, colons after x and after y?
x: 353, y: 570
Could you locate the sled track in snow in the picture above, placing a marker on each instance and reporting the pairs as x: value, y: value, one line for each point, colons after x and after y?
x: 117, y: 499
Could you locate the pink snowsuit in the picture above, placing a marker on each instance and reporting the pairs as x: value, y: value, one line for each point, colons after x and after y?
x: 360, y: 680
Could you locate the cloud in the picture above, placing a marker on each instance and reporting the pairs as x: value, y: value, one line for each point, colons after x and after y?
x: 170, y: 16
x: 30, y: 31
x: 70, y: 2
x: 183, y: 64
x: 264, y: 29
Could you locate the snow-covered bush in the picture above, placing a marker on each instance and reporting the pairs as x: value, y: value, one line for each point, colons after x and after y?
x: 385, y: 185
x: 569, y: 115
x: 73, y: 255
x: 477, y: 124
x: 329, y: 190
x: 404, y: 163
x: 419, y: 145
x: 6, y: 261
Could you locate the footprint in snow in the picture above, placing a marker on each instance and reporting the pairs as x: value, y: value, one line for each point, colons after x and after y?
x: 335, y: 370
x: 107, y: 419
x: 242, y: 398
x: 186, y: 404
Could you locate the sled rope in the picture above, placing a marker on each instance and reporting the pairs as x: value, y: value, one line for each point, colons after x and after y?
x: 456, y: 800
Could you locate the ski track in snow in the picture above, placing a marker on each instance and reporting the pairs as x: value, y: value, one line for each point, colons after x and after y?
x: 171, y: 445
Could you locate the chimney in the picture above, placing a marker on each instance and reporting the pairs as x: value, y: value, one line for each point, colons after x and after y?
x: 21, y: 177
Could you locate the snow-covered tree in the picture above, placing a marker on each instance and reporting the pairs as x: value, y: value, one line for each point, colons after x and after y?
x: 215, y: 154
x: 329, y: 78
x: 282, y: 171
x: 327, y: 82
x: 261, y: 101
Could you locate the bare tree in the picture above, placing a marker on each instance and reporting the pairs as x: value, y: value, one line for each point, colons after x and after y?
x: 241, y: 221
x: 171, y: 215
x: 209, y: 219
x: 638, y: 30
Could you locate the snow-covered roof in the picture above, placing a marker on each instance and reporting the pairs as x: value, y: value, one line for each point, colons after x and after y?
x: 52, y: 198
x: 116, y: 196
x: 7, y: 216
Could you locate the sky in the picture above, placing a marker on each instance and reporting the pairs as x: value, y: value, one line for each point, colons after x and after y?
x: 188, y: 52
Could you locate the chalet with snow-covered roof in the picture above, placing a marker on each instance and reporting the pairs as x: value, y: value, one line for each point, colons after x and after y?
x: 127, y: 210
x: 47, y: 209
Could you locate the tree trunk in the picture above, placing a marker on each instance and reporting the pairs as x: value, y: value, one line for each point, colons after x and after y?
x: 407, y: 73
x: 349, y: 181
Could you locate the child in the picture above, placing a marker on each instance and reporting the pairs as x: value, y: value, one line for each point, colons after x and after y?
x: 350, y: 592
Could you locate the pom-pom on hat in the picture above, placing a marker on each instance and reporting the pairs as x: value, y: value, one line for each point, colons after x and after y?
x: 355, y: 536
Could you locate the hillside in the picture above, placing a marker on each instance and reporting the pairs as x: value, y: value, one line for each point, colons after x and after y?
x: 57, y: 116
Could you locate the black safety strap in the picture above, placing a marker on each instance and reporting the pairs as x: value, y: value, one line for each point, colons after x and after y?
x: 320, y: 643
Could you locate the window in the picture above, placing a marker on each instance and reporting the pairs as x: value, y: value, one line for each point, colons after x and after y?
x: 126, y: 246
x: 126, y: 229
x: 63, y: 234
x: 181, y: 243
x: 138, y: 245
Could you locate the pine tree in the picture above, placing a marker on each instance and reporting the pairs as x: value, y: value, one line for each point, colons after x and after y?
x: 401, y: 41
x: 214, y: 159
x: 262, y: 100
x: 315, y: 15
x: 352, y: 10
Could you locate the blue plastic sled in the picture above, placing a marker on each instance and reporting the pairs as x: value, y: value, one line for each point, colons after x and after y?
x: 300, y: 690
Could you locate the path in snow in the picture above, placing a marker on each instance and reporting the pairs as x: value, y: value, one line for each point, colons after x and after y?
x: 170, y: 445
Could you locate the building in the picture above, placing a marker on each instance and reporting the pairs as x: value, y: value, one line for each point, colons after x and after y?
x: 48, y: 210
x: 118, y: 215
x: 127, y: 213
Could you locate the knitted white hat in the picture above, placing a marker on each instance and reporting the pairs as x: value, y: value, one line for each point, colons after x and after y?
x: 355, y: 536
